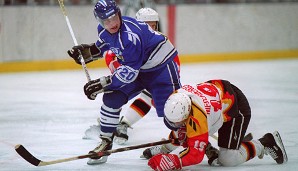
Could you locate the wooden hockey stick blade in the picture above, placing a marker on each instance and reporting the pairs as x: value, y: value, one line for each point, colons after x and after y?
x: 25, y: 154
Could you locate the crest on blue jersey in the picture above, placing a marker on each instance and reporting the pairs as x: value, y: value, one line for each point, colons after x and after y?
x: 117, y: 52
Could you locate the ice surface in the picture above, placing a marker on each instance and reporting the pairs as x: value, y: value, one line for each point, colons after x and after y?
x: 48, y: 113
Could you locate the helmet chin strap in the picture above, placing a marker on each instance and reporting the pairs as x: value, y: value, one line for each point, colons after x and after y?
x: 170, y: 125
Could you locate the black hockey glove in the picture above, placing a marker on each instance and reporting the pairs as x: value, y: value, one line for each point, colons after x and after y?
x: 94, y: 87
x: 212, y: 155
x: 88, y: 52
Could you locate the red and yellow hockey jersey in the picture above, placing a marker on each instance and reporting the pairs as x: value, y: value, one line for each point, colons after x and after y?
x: 210, y: 105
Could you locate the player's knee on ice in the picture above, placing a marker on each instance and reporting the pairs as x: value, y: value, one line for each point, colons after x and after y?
x: 228, y: 157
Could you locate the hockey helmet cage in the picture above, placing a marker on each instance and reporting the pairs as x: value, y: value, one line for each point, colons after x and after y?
x: 104, y: 9
x: 147, y: 14
x: 177, y: 107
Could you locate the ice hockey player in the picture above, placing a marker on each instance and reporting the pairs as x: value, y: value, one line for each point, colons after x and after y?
x: 141, y: 105
x: 146, y: 59
x: 197, y: 111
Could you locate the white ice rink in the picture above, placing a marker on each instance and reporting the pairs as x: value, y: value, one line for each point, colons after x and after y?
x: 48, y: 113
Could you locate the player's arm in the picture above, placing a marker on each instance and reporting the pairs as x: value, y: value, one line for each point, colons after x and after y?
x: 123, y: 75
x: 191, y: 155
x: 197, y: 133
x: 194, y: 146
x: 90, y: 52
x: 195, y: 151
x: 130, y: 60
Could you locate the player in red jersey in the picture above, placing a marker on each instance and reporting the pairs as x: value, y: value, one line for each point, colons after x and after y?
x: 195, y: 112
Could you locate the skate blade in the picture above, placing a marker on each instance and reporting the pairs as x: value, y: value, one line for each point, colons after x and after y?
x: 120, y: 141
x: 102, y: 160
x: 278, y: 140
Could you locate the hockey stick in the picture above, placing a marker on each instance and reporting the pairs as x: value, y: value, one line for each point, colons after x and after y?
x: 74, y: 38
x: 246, y: 138
x: 25, y: 154
x: 214, y: 137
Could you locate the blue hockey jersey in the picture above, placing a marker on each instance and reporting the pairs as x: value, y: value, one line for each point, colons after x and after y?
x: 138, y: 49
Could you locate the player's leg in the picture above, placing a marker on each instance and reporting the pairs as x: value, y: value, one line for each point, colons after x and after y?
x: 231, y: 134
x: 136, y: 111
x: 230, y: 141
x: 132, y: 116
x: 139, y: 108
x: 166, y: 81
x: 270, y: 143
x: 109, y: 118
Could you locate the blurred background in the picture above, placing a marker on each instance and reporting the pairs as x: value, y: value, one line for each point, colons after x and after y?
x: 34, y: 35
x: 124, y: 2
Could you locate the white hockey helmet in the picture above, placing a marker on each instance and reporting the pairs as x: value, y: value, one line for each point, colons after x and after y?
x: 147, y: 14
x: 177, y: 107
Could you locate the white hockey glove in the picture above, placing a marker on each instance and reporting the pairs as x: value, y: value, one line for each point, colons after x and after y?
x: 94, y: 87
x: 89, y: 52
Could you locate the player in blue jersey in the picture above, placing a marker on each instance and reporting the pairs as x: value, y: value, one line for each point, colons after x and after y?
x: 141, y: 106
x: 146, y: 62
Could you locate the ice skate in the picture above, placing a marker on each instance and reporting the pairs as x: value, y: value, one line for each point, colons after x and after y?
x: 121, y: 133
x: 106, y: 144
x: 92, y: 133
x: 274, y: 147
x: 159, y: 149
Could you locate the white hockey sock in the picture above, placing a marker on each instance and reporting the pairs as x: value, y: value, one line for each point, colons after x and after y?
x: 251, y: 149
x: 247, y: 151
x: 138, y: 109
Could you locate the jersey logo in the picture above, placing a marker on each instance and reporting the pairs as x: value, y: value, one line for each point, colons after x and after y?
x: 126, y: 74
x: 132, y: 37
x: 117, y: 52
x: 193, y: 124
